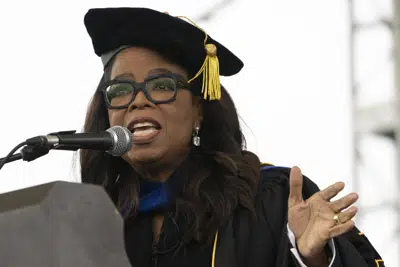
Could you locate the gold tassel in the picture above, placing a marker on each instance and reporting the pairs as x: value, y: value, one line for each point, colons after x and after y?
x: 211, y: 86
x: 211, y: 83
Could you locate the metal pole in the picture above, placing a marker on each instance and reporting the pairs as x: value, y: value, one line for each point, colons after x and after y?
x: 354, y: 95
x: 396, y: 59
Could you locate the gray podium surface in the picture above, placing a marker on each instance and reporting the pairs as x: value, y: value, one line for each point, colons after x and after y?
x: 60, y: 224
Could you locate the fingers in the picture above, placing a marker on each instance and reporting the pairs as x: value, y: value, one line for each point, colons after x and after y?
x: 347, y: 215
x: 296, y: 186
x: 344, y: 202
x: 346, y: 222
x: 331, y: 191
x: 341, y: 229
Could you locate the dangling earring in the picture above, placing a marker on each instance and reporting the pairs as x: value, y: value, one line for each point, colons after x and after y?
x: 196, y: 137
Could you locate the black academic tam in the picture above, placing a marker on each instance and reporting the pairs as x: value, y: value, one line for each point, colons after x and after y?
x: 243, y: 242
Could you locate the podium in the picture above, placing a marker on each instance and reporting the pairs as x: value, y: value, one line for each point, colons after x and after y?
x: 61, y: 224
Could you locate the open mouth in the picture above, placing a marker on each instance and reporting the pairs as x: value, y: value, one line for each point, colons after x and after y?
x: 144, y: 130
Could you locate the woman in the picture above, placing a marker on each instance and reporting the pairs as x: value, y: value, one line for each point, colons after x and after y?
x: 189, y: 192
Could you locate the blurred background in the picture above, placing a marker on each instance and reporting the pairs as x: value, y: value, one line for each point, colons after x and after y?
x: 318, y: 89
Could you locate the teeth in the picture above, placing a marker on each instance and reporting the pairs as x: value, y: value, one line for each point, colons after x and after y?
x: 143, y: 124
x: 140, y: 133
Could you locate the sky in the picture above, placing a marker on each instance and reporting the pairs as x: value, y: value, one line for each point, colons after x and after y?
x: 293, y: 93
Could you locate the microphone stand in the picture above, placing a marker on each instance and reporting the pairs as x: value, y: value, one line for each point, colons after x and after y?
x: 39, y: 146
x: 28, y: 153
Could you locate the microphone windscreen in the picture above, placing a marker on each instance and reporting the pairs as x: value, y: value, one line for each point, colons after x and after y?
x: 122, y: 140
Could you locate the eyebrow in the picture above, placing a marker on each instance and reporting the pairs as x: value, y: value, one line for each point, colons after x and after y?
x: 125, y: 75
x: 165, y: 71
x: 159, y: 71
x: 151, y: 72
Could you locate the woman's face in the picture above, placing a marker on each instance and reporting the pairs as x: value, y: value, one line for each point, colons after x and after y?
x: 161, y: 132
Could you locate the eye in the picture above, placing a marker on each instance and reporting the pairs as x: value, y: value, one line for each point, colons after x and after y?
x: 162, y: 84
x: 118, y: 90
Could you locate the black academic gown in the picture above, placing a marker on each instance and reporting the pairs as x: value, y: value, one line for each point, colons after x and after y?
x: 242, y: 241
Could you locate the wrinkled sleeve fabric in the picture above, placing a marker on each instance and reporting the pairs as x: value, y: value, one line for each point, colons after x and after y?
x: 349, y: 250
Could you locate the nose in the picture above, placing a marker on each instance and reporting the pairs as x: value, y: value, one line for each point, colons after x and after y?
x: 140, y: 102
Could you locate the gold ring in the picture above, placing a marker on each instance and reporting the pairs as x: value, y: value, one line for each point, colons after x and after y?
x: 336, y: 219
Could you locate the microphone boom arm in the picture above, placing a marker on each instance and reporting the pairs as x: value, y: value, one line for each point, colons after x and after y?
x: 116, y: 141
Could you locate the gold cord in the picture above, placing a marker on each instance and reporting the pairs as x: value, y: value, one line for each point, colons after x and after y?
x: 214, y: 250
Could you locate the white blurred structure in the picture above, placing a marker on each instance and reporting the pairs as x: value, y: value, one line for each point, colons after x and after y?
x: 375, y: 87
x: 293, y: 93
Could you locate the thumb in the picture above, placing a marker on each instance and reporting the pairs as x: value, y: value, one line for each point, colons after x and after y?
x: 296, y: 186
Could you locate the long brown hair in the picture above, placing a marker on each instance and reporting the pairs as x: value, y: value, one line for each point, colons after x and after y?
x: 217, y: 177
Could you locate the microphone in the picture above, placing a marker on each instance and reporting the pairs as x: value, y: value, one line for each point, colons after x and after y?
x: 116, y: 141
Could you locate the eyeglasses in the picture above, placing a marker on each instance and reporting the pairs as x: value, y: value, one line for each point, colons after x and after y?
x: 120, y: 93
